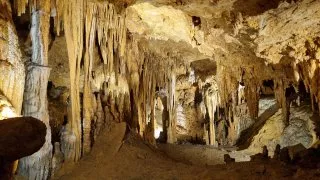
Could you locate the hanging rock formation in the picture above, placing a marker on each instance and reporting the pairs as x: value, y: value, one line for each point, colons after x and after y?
x: 180, y: 71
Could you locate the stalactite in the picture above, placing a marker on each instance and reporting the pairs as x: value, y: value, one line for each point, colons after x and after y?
x: 231, y: 93
x: 73, y: 26
x: 111, y: 34
x: 309, y: 74
x: 227, y: 84
x: 58, y: 18
x: 35, y: 103
x: 148, y: 103
x: 20, y: 6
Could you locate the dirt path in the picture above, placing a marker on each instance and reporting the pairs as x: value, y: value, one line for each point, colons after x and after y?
x: 106, y: 148
x: 136, y: 160
x: 194, y: 154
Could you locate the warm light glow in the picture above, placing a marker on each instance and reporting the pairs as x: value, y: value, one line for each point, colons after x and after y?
x: 157, y: 132
x: 7, y: 112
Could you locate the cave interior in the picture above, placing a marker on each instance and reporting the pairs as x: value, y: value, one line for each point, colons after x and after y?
x: 159, y: 89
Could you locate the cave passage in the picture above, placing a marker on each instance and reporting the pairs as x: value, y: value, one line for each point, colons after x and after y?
x: 159, y: 89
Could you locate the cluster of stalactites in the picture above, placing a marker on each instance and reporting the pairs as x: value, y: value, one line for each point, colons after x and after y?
x: 20, y: 6
x: 57, y: 11
x: 58, y: 8
x: 143, y: 81
x: 232, y: 94
x: 309, y: 71
x: 111, y: 34
x: 107, y: 27
x: 104, y: 25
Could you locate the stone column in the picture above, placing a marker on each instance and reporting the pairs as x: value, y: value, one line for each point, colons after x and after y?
x: 37, y: 166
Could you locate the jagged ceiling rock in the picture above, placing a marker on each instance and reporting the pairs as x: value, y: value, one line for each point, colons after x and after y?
x: 204, y: 68
x: 208, y: 26
x: 162, y: 23
x: 233, y: 29
x: 285, y: 30
x: 165, y: 22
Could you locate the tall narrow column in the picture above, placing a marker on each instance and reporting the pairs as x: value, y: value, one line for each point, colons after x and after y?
x: 88, y: 109
x: 73, y: 25
x: 37, y: 166
x: 212, y: 100
x: 172, y: 109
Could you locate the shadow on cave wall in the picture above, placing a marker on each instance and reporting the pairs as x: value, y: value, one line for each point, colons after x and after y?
x: 254, y: 7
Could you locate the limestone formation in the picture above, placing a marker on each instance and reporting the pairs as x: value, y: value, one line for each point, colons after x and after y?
x: 12, y: 70
x: 73, y: 20
x: 57, y: 159
x: 35, y: 99
x: 224, y: 73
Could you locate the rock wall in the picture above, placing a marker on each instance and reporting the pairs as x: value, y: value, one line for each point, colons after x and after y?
x: 12, y: 70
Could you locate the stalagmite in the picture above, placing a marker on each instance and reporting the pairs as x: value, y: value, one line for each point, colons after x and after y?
x: 100, y: 117
x: 213, y: 65
x: 37, y: 166
x: 57, y: 159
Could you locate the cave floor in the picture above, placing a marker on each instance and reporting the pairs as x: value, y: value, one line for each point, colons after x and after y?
x: 115, y: 158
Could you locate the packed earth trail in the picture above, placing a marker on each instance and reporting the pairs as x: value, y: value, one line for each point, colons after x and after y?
x: 113, y: 157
